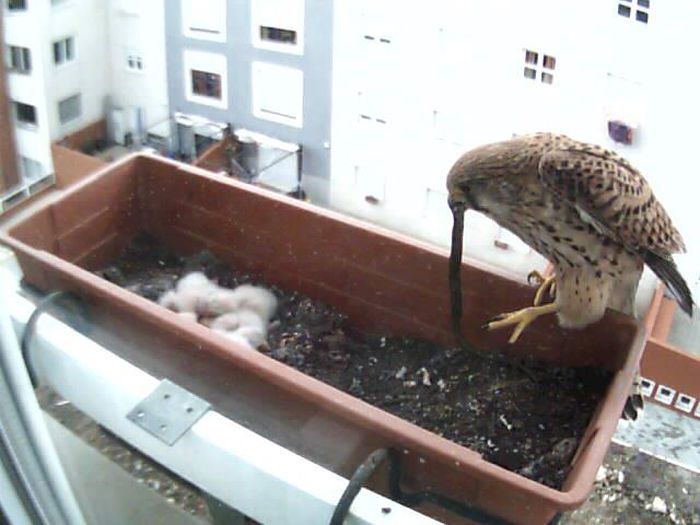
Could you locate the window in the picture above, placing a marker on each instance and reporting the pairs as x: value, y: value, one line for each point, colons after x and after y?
x: 25, y: 113
x: 204, y: 19
x: 20, y: 59
x: 205, y: 78
x: 64, y: 51
x: 539, y: 66
x: 69, y: 109
x: 275, y: 34
x: 640, y: 9
x: 16, y: 5
x: 31, y: 169
x: 206, y: 84
x: 278, y: 93
x: 278, y: 25
x: 134, y: 61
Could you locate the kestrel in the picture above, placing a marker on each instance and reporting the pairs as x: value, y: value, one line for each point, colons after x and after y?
x: 584, y: 208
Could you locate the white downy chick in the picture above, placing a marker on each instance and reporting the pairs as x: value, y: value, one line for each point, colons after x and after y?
x: 225, y: 323
x: 244, y: 297
x: 190, y: 316
x: 190, y: 295
x: 244, y: 324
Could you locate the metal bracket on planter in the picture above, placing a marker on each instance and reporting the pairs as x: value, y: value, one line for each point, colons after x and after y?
x: 168, y: 412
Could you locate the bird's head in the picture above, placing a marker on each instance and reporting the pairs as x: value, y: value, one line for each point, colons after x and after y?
x: 474, y: 169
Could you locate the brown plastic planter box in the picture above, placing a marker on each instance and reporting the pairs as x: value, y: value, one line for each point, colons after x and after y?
x: 383, y: 281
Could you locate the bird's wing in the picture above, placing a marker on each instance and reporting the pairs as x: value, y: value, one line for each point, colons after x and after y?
x: 611, y: 195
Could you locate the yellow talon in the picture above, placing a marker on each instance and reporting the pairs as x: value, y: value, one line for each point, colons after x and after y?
x: 546, y: 285
x: 521, y: 318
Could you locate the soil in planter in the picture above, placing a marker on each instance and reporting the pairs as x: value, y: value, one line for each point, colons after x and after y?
x: 527, y: 423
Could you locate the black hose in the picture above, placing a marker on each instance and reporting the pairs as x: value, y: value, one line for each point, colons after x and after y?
x: 368, y: 467
x: 359, y: 478
x: 416, y: 498
x: 30, y: 328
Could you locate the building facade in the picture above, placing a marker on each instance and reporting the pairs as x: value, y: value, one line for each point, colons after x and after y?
x: 415, y: 85
x: 260, y: 65
x: 70, y: 64
x: 9, y: 172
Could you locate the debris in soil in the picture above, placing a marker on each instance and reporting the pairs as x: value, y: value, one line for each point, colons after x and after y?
x: 490, y: 406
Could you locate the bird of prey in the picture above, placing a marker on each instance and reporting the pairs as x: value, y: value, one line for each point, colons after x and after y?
x: 584, y: 208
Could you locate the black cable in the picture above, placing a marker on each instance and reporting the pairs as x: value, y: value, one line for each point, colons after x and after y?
x: 367, y: 468
x: 416, y: 498
x: 359, y: 478
x: 30, y: 328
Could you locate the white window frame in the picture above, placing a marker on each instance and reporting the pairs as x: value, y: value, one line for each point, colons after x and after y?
x: 540, y: 67
x: 211, y: 63
x: 282, y: 14
x: 62, y: 42
x: 189, y: 6
x: 22, y: 123
x: 80, y: 107
x: 294, y: 81
x: 23, y: 70
x: 135, y: 56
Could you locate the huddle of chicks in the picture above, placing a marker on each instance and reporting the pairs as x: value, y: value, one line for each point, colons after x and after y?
x: 241, y: 314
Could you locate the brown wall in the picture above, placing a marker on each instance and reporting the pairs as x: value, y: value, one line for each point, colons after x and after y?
x: 9, y: 171
x: 86, y: 135
x: 70, y: 166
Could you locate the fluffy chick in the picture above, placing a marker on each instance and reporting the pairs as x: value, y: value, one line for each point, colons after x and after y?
x: 244, y: 297
x: 243, y: 324
x: 190, y: 295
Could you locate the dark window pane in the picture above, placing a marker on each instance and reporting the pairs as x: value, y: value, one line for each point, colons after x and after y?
x: 25, y: 113
x: 530, y: 73
x: 15, y: 5
x: 27, y: 57
x: 549, y: 62
x: 643, y: 3
x: 547, y: 78
x: 642, y: 16
x: 206, y: 84
x: 57, y: 55
x: 276, y: 34
x: 69, y: 48
x: 69, y: 109
x: 15, y: 59
x: 531, y: 57
x: 624, y: 10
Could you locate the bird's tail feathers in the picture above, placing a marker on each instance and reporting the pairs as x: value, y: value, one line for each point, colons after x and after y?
x: 667, y: 271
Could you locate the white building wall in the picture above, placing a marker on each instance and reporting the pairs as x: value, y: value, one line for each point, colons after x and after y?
x: 27, y: 29
x: 451, y: 77
x: 105, y: 33
x: 88, y: 74
x: 138, y: 28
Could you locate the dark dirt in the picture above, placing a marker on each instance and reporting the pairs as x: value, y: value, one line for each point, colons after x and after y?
x: 528, y: 423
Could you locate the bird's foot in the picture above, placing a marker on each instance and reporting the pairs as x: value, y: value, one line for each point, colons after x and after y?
x: 521, y: 319
x: 545, y: 286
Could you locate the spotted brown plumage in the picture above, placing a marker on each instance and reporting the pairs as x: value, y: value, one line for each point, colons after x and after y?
x: 584, y: 208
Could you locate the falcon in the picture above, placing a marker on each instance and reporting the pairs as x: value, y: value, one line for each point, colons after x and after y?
x: 584, y: 208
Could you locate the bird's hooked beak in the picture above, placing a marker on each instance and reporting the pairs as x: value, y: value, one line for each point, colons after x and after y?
x: 455, y: 276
